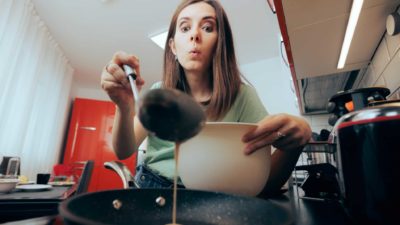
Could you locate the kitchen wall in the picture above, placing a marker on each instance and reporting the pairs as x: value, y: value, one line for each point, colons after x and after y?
x: 272, y: 81
x: 318, y: 122
x: 78, y: 91
x: 269, y: 76
x: 274, y: 87
x: 384, y: 70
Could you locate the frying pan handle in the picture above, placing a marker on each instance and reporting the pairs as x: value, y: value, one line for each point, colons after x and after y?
x: 123, y: 172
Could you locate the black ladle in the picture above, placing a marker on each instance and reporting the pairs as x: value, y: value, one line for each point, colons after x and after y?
x: 169, y: 114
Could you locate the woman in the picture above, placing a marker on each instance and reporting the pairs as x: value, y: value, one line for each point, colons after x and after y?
x: 200, y: 60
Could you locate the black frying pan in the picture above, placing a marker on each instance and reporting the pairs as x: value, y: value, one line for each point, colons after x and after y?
x: 139, y: 206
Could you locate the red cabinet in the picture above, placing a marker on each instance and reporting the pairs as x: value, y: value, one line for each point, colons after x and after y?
x: 89, y: 137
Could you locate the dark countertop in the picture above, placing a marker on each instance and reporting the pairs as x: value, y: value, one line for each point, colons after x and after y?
x: 17, y: 205
x: 304, y: 211
x: 52, y: 193
x: 313, y: 211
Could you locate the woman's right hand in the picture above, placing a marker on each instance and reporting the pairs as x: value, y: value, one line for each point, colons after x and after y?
x: 115, y: 82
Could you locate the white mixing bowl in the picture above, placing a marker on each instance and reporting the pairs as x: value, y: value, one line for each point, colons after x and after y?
x: 7, y: 184
x: 214, y: 160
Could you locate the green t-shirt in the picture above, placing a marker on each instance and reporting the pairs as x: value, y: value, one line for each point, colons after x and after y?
x: 246, y: 109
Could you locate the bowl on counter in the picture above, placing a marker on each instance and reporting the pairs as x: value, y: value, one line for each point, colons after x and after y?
x: 7, y: 183
x: 214, y: 160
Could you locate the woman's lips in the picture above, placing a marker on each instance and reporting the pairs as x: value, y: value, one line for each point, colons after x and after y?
x: 194, y: 53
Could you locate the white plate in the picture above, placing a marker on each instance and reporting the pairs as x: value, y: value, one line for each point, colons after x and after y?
x: 61, y: 183
x: 34, y: 187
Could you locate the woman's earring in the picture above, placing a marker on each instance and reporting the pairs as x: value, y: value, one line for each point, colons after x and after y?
x: 176, y: 58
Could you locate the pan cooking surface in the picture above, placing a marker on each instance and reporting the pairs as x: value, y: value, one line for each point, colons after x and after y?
x: 138, y: 206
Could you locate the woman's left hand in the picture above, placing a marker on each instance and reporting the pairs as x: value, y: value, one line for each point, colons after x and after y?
x: 283, y: 131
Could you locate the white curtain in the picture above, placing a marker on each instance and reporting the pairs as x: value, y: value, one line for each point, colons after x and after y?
x: 35, y: 83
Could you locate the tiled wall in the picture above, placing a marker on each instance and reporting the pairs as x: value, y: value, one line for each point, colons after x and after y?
x: 384, y: 70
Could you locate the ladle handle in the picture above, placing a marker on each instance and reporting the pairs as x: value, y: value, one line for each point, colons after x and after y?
x: 131, y: 74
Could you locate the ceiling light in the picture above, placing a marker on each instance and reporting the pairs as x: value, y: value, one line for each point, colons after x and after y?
x: 272, y: 6
x: 351, y: 26
x: 160, y: 39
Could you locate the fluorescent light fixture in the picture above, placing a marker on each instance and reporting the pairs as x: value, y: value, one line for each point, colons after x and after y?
x: 272, y: 6
x: 351, y: 26
x: 160, y: 39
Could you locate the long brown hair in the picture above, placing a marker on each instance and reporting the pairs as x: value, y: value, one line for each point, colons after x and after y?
x: 225, y: 78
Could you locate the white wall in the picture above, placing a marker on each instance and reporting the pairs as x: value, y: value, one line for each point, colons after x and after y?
x: 270, y: 77
x: 91, y: 93
x: 318, y: 122
x: 272, y: 81
x: 382, y: 71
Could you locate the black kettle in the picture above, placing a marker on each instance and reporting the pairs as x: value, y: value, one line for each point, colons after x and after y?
x: 368, y: 143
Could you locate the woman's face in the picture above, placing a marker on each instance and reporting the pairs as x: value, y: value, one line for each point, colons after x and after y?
x: 195, y: 37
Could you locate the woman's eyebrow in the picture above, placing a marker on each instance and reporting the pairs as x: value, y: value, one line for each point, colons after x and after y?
x: 204, y: 18
x: 209, y: 18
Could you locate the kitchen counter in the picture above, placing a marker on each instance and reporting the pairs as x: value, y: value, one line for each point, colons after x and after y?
x: 305, y: 212
x: 312, y: 211
x: 18, y: 205
x: 317, y: 212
